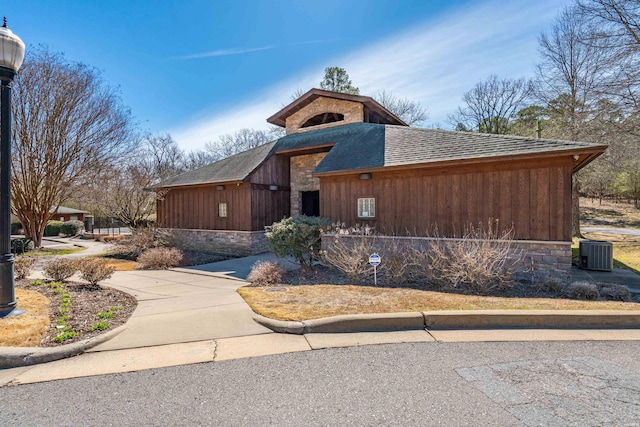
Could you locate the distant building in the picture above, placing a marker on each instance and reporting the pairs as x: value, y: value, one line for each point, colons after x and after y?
x: 63, y: 213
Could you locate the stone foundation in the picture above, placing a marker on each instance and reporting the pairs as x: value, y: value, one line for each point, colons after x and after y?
x: 225, y: 242
x: 539, y: 260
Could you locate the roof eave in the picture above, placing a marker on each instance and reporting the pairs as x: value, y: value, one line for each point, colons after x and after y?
x: 586, y: 155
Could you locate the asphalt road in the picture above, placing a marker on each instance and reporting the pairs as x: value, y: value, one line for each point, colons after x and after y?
x: 452, y: 384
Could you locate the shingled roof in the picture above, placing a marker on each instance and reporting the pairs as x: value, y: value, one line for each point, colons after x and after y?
x: 368, y: 146
x: 234, y: 168
x: 373, y: 146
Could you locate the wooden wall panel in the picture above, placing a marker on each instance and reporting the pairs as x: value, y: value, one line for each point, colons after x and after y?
x: 197, y: 208
x: 534, y: 197
x: 274, y: 171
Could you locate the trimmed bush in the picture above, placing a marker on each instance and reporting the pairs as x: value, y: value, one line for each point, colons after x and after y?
x: 95, y: 270
x: 60, y: 269
x: 72, y: 228
x: 52, y: 228
x: 298, y: 237
x: 582, y: 290
x: 265, y: 273
x: 614, y: 292
x: 22, y: 266
x: 22, y: 245
x: 159, y: 259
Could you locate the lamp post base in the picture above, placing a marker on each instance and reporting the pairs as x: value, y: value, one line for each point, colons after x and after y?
x: 11, y: 313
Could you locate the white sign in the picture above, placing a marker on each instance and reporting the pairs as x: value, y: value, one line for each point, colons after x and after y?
x: 374, y: 259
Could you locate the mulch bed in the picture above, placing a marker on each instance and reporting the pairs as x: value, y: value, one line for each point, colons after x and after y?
x: 86, y: 302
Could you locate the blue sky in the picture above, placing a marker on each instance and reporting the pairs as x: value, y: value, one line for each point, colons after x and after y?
x: 198, y: 69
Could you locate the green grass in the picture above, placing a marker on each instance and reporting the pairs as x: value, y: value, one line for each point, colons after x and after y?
x: 50, y: 252
x: 105, y: 315
x: 67, y: 335
x: 100, y: 326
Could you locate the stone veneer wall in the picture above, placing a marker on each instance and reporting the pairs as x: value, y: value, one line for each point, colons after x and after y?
x: 353, y: 113
x: 225, y: 242
x: 301, y: 179
x: 541, y: 260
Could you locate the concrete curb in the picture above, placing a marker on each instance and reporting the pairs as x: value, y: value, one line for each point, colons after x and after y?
x: 475, y: 319
x: 13, y: 357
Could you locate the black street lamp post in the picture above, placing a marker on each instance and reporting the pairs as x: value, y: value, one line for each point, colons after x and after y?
x: 11, y: 57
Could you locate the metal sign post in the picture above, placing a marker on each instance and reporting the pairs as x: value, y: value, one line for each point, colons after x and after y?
x: 374, y: 260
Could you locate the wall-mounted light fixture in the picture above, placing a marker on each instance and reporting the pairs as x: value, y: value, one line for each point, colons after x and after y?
x: 220, y: 187
x: 576, y: 157
x: 365, y: 176
x: 273, y: 187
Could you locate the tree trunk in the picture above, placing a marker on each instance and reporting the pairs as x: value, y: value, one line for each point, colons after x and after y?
x: 575, y: 208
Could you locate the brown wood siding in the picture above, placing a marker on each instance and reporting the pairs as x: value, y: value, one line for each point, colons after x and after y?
x: 533, y: 196
x: 268, y: 206
x: 197, y: 208
x: 274, y: 171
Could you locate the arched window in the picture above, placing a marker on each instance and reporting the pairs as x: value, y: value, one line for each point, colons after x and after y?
x: 323, y: 118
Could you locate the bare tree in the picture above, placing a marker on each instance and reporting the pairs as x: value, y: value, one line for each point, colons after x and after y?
x: 242, y: 140
x: 572, y: 72
x: 69, y: 124
x: 492, y: 105
x: 410, y: 112
x: 197, y: 159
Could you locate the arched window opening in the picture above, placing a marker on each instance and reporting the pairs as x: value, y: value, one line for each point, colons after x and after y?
x: 323, y: 118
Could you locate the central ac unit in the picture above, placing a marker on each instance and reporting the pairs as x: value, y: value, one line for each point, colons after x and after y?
x: 596, y: 255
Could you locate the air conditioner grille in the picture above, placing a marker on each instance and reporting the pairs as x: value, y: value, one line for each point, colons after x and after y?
x: 596, y: 255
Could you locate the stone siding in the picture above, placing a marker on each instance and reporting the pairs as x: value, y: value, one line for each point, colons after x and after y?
x: 301, y: 178
x: 235, y: 243
x: 540, y: 260
x: 353, y: 113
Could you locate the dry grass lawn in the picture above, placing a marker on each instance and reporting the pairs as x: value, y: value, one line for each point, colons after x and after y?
x: 120, y: 264
x: 315, y: 301
x: 27, y: 329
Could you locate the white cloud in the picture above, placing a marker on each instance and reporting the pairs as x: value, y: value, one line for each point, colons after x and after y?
x: 223, y: 52
x: 433, y: 63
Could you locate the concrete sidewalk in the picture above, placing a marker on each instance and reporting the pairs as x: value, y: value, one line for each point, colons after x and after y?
x: 177, y: 307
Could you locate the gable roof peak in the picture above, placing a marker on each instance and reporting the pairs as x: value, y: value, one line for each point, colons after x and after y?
x: 375, y: 112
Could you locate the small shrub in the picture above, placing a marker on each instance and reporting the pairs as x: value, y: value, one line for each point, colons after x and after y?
x: 38, y: 283
x: 95, y: 270
x: 116, y: 308
x: 582, y: 290
x: 351, y: 257
x: 298, y: 237
x: 132, y: 246
x: 72, y: 228
x: 614, y: 292
x: 550, y: 285
x: 60, y: 269
x: 265, y: 273
x: 62, y: 320
x: 52, y: 228
x: 22, y: 266
x: 100, y: 326
x: 66, y: 336
x: 159, y: 259
x: 22, y: 245
x: 482, y: 261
